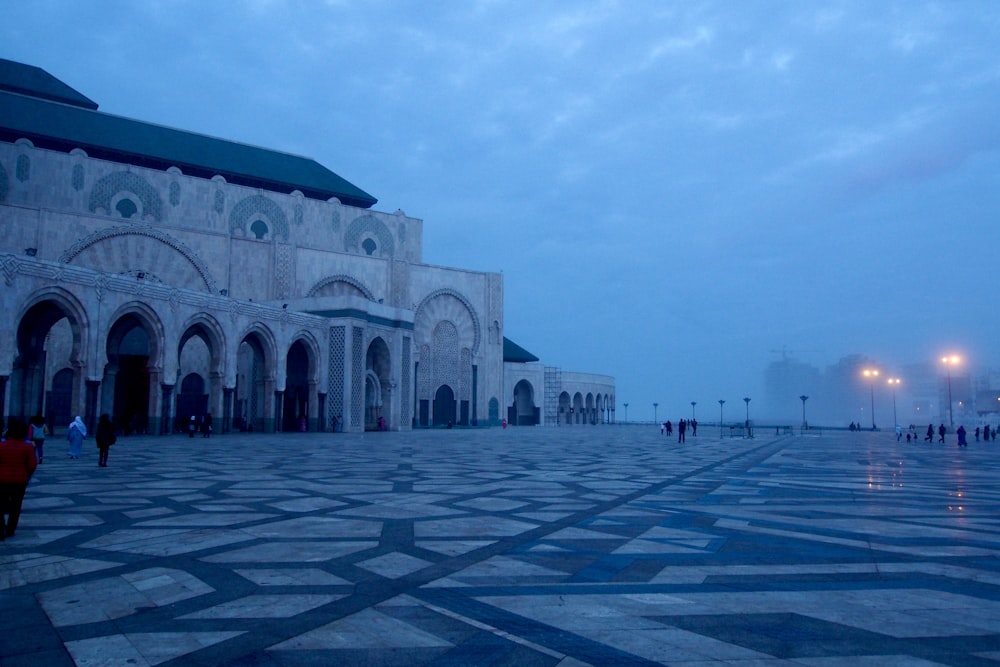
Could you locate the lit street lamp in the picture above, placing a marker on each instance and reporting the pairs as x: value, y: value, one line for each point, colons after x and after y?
x: 948, y: 363
x: 871, y: 374
x: 804, y: 398
x: 894, y: 382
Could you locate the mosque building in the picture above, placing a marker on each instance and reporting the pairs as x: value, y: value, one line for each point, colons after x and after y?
x: 160, y: 276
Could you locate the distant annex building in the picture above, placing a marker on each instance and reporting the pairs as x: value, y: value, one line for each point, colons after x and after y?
x: 155, y: 274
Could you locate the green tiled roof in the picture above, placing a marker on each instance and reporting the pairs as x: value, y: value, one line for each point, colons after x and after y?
x: 29, y: 80
x: 514, y: 353
x: 64, y: 126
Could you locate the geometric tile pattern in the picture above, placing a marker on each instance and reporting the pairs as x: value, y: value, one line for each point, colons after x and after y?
x: 526, y: 546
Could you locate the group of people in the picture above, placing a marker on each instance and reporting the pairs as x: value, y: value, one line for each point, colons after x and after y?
x: 682, y: 427
x: 986, y: 432
x: 205, y: 425
x: 22, y: 448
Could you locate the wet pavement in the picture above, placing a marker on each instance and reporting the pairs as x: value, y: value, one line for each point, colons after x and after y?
x: 609, y: 545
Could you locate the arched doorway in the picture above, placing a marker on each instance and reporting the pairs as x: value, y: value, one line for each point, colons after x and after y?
x: 59, y: 401
x: 49, y: 338
x: 250, y: 409
x: 131, y: 356
x: 201, y: 353
x: 444, y: 406
x: 296, y: 399
x: 565, y: 414
x: 378, y: 384
x: 522, y: 411
x: 192, y: 401
x: 577, y: 410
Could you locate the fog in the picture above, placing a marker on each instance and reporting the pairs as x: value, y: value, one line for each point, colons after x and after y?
x: 678, y: 194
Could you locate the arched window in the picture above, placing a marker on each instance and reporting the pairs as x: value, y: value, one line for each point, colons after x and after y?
x: 126, y: 208
x: 369, y: 246
x: 259, y: 229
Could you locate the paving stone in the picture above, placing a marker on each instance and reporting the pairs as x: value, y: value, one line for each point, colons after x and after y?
x: 526, y: 546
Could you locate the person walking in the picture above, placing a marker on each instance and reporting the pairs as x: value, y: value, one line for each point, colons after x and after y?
x: 681, y: 428
x: 930, y: 433
x: 941, y: 432
x: 192, y: 426
x: 206, y: 425
x: 105, y: 438
x: 37, y: 430
x: 17, y: 465
x: 76, y: 432
x: 961, y: 436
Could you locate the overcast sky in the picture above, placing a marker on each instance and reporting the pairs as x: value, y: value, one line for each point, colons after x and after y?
x: 675, y: 192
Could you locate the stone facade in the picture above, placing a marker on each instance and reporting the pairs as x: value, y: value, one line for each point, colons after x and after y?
x: 153, y: 296
x: 273, y: 300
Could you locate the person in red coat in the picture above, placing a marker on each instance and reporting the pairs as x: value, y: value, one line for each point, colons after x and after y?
x: 17, y: 465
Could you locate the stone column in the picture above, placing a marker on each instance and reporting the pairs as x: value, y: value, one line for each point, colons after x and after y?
x: 279, y: 409
x: 227, y: 408
x: 90, y: 411
x: 321, y: 422
x: 166, y: 414
x: 3, y: 397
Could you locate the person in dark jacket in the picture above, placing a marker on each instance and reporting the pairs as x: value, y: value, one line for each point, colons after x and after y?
x: 17, y: 465
x: 105, y: 438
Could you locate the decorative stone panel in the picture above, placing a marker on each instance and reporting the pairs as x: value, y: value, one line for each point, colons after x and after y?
x: 357, y: 376
x: 258, y: 207
x: 23, y: 168
x: 78, y: 177
x: 143, y: 231
x: 335, y: 391
x: 369, y: 228
x: 340, y: 285
x: 282, y: 271
x: 404, y: 385
x: 104, y: 192
x: 3, y: 183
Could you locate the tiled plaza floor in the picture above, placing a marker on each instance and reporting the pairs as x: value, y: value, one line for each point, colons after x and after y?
x: 528, y: 546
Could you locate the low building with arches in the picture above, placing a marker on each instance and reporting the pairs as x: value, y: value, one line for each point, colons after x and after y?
x: 540, y: 395
x: 158, y: 275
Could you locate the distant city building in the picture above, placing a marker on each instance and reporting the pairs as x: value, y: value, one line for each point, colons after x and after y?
x: 160, y: 275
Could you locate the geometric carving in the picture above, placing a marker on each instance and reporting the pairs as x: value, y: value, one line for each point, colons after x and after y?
x: 335, y: 403
x: 104, y: 191
x: 125, y: 249
x: 77, y: 177
x: 449, y: 305
x: 369, y: 228
x: 258, y: 207
x: 340, y: 285
x: 23, y: 168
x: 282, y: 271
x: 357, y: 375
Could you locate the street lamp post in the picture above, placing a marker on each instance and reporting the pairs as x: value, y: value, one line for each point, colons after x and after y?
x: 948, y: 363
x: 626, y: 412
x: 746, y: 399
x: 894, y: 382
x: 871, y: 374
x: 722, y: 402
x: 804, y: 398
x: 655, y: 406
x: 693, y: 403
